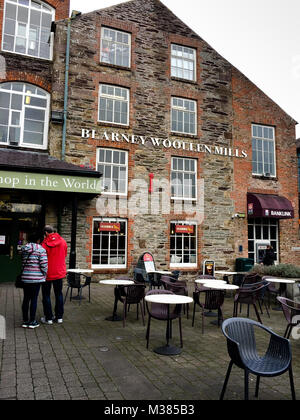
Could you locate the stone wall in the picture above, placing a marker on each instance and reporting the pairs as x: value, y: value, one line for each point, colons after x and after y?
x: 222, y: 121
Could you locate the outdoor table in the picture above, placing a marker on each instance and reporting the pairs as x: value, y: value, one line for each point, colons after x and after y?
x: 282, y: 287
x: 168, y: 299
x: 117, y: 283
x: 226, y: 274
x: 84, y: 271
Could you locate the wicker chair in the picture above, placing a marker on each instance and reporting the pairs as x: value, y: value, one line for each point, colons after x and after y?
x: 290, y: 309
x: 134, y: 295
x: 214, y: 300
x: 74, y: 282
x: 241, y: 344
x: 178, y: 288
x: 159, y: 311
x: 249, y: 295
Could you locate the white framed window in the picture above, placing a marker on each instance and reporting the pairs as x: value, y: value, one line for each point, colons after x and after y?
x: 109, y: 243
x: 183, y: 178
x: 24, y: 115
x: 183, y: 62
x: 263, y: 150
x: 115, y: 47
x: 183, y: 116
x: 113, y: 104
x: 183, y: 244
x: 113, y: 164
x: 27, y: 28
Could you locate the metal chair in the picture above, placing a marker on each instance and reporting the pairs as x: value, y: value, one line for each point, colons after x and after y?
x: 159, y: 311
x: 291, y: 309
x: 74, y: 282
x: 241, y: 345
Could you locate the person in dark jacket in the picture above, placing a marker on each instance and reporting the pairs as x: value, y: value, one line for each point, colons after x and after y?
x: 56, y: 248
x: 269, y: 256
x: 35, y: 266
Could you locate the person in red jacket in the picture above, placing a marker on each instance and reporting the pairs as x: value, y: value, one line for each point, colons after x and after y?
x: 56, y: 248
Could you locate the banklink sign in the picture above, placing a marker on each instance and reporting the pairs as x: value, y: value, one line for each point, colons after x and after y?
x: 47, y: 182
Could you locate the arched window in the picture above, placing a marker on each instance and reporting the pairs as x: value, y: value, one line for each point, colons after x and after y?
x: 27, y: 28
x: 24, y: 115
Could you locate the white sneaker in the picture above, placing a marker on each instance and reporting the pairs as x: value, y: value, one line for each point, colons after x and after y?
x: 58, y: 320
x: 44, y: 321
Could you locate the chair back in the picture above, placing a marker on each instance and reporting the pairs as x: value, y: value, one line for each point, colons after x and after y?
x: 73, y: 280
x: 178, y: 288
x: 290, y: 308
x: 251, y: 279
x: 158, y: 310
x: 240, y: 336
x: 135, y: 293
x: 251, y: 292
x: 214, y: 299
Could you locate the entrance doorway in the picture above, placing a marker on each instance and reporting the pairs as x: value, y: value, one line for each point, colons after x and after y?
x: 14, y: 230
x: 262, y: 232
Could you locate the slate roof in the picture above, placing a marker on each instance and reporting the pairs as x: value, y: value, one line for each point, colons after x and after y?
x: 17, y: 160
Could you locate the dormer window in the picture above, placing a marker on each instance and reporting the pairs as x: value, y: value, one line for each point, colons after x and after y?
x: 27, y: 28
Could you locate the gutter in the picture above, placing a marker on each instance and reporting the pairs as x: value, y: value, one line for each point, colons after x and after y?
x: 66, y: 90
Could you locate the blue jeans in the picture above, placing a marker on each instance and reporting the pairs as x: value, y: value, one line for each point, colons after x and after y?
x: 59, y: 300
x: 29, y: 306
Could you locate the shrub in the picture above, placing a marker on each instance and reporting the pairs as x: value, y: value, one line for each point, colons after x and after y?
x: 280, y: 270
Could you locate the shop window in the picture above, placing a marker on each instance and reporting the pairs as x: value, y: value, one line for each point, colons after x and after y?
x: 184, y: 116
x: 113, y: 164
x: 263, y: 151
x: 183, y: 62
x: 114, y: 104
x: 183, y: 178
x: 261, y: 232
x: 109, y: 243
x: 27, y: 28
x: 183, y: 244
x: 24, y: 114
x: 115, y: 47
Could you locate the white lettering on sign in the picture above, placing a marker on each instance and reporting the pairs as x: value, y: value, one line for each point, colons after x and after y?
x: 281, y: 213
x: 166, y: 143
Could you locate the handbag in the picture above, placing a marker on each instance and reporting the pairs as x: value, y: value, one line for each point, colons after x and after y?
x: 19, y: 284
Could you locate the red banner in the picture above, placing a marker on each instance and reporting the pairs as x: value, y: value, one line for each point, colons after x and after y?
x: 184, y: 229
x: 109, y: 227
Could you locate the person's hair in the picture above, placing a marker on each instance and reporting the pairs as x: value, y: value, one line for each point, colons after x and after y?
x: 49, y: 229
x: 34, y: 237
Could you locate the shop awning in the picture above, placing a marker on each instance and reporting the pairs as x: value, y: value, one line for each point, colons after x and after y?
x: 39, y: 171
x: 270, y: 206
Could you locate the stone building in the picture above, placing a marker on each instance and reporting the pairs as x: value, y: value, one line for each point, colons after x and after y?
x: 197, y: 162
x: 33, y: 178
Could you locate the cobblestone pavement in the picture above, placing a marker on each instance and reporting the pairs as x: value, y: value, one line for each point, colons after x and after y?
x: 89, y: 358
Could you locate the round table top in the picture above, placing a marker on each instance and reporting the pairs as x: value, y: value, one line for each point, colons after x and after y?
x: 169, y: 299
x: 220, y: 286
x: 279, y: 280
x: 80, y: 270
x: 117, y: 282
x: 209, y: 281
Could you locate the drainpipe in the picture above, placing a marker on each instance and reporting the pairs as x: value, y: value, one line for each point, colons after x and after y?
x: 66, y: 91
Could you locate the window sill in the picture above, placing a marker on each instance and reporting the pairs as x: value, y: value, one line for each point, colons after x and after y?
x: 30, y: 57
x: 179, y: 79
x: 109, y: 124
x: 188, y: 136
x: 115, y: 66
x: 263, y: 177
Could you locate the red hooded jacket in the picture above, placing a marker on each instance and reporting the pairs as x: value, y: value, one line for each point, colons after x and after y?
x: 56, y: 248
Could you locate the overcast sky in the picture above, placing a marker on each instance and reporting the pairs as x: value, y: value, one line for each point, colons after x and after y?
x: 259, y: 37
